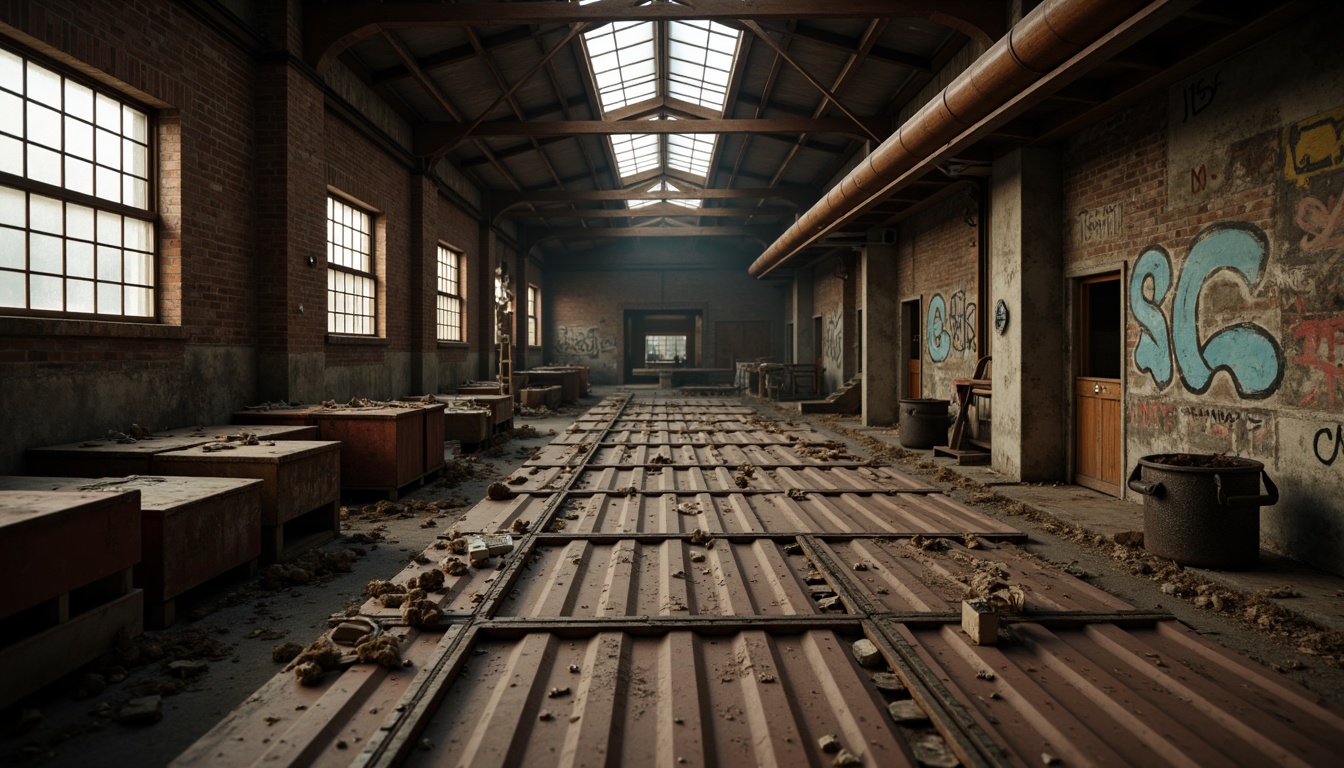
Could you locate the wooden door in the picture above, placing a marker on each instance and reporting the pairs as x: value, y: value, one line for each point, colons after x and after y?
x: 1096, y: 391
x: 912, y: 369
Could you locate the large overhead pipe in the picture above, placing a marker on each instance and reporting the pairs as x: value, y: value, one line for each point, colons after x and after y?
x: 1045, y: 38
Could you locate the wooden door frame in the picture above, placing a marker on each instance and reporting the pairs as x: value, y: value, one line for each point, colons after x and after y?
x: 1078, y: 348
x: 907, y: 344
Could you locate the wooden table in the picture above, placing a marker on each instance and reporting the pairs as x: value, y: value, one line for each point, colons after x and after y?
x: 669, y: 377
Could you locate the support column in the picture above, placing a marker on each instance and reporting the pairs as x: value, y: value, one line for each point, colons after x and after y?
x: 805, y: 347
x: 484, y: 334
x: 1030, y: 382
x: 422, y: 289
x: 881, y: 309
x: 291, y: 224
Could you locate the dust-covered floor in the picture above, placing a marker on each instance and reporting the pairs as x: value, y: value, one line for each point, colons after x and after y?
x: 220, y: 652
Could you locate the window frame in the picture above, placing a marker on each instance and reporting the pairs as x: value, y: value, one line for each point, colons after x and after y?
x: 91, y: 246
x: 440, y: 295
x: 333, y: 266
x: 533, y: 316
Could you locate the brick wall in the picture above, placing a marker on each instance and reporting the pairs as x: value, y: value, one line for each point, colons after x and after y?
x: 1195, y: 194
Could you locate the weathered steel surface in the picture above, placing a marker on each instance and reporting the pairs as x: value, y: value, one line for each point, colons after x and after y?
x: 284, y: 723
x: 701, y: 456
x: 489, y: 516
x: 679, y: 699
x: 669, y: 578
x: 893, y: 514
x: 105, y: 458
x: 666, y: 513
x: 56, y: 541
x: 898, y: 575
x: 231, y: 432
x: 298, y: 475
x: 381, y: 448
x: 1103, y: 695
x: 654, y: 611
x: 191, y: 528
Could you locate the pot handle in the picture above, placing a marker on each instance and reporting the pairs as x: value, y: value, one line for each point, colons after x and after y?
x: 1270, y: 498
x: 1138, y: 486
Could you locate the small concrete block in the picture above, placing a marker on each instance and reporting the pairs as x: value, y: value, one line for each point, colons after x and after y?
x: 498, y: 544
x: 349, y: 632
x: 188, y: 667
x: 143, y: 711
x: 904, y: 712
x: 867, y: 654
x: 477, y: 551
x: 980, y: 622
x: 888, y: 682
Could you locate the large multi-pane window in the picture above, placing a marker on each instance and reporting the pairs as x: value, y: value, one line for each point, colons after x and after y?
x: 449, y: 318
x: 76, y: 224
x: 533, y: 316
x: 351, y: 284
x: 664, y: 349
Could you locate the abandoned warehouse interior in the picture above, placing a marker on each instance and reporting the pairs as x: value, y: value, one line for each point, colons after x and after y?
x: 851, y: 356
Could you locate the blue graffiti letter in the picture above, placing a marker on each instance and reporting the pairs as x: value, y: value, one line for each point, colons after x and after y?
x: 1246, y: 351
x: 940, y: 341
x: 1152, y: 353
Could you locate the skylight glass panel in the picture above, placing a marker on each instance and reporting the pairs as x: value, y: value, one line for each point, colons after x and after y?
x: 622, y: 55
x: 635, y: 153
x: 691, y: 152
x: 700, y: 61
x: 663, y: 186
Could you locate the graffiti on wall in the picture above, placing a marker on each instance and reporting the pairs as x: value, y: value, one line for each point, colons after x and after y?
x: 1101, y: 223
x: 1314, y: 145
x: 1323, y: 354
x: 577, y: 341
x: 833, y: 341
x: 1199, y: 94
x: 1206, y: 427
x: 1320, y: 223
x: 1326, y: 444
x: 1249, y: 354
x: 951, y: 326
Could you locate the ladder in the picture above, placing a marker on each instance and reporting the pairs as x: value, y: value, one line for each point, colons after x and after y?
x: 505, y: 364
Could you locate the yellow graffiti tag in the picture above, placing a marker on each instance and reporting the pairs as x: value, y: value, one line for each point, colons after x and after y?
x: 1314, y: 145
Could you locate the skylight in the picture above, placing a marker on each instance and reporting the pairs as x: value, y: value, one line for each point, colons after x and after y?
x: 700, y: 60
x: 622, y: 55
x: 626, y: 59
x: 663, y: 186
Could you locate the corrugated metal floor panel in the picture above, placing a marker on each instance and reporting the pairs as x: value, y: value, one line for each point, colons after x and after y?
x: 760, y: 456
x: 1103, y: 695
x: 669, y: 578
x: 750, y: 698
x: 653, y: 612
x: 899, y: 577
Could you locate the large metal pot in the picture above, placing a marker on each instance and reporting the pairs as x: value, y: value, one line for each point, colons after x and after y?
x: 923, y: 422
x: 1201, y: 509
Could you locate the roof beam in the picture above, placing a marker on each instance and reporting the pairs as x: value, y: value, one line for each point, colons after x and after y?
x: 502, y: 201
x: 657, y: 209
x: 854, y: 45
x: 450, y: 56
x: 764, y: 234
x: 433, y: 136
x: 330, y: 28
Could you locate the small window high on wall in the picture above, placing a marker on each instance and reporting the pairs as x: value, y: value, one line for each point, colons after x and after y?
x: 351, y: 284
x: 533, y: 316
x: 448, y: 322
x: 76, y: 223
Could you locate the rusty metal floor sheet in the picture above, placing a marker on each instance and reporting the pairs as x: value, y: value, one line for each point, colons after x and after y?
x: 755, y: 595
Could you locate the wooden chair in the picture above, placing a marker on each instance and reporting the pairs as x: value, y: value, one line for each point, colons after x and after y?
x: 968, y: 390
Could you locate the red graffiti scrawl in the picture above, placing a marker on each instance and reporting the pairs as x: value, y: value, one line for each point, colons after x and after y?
x: 1322, y: 340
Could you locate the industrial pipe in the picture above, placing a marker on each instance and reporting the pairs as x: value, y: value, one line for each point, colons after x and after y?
x: 1044, y: 39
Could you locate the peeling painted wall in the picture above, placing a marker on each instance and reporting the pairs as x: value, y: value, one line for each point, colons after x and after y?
x: 1221, y: 200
